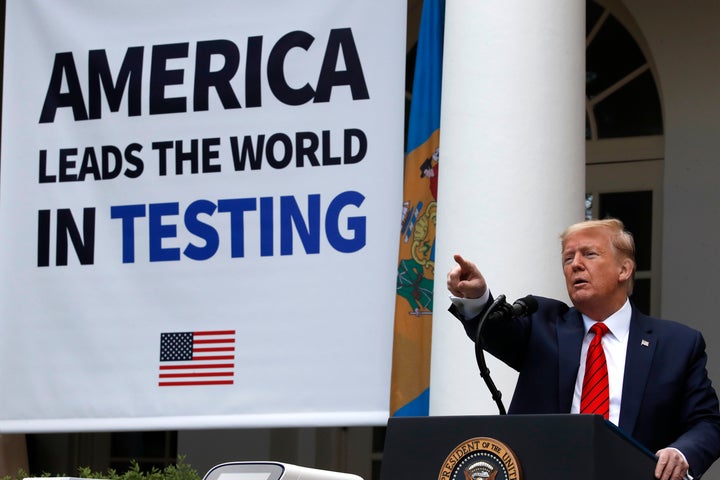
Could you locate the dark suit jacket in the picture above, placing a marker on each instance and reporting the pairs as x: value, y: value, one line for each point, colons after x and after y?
x: 667, y: 397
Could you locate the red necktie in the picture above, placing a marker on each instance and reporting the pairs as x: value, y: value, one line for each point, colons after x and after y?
x: 595, y: 390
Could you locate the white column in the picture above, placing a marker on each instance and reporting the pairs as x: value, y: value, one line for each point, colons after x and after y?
x: 512, y: 166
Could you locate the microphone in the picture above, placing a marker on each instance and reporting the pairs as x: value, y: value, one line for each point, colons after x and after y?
x: 521, y: 308
x: 500, y: 310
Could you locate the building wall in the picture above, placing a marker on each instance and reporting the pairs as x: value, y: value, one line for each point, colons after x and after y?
x: 685, y: 43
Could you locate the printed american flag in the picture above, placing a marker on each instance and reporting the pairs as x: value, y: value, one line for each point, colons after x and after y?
x: 197, y: 358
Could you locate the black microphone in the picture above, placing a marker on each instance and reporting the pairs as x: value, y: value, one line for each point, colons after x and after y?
x: 500, y: 310
x: 521, y: 308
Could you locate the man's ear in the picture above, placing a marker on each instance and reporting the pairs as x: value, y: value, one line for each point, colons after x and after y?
x: 626, y: 270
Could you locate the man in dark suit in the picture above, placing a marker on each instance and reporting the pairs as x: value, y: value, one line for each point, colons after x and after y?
x: 659, y: 390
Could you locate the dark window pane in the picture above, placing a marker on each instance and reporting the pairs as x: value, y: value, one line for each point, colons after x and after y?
x: 378, y: 439
x: 635, y: 211
x: 47, y: 452
x: 142, y: 444
x: 143, y: 465
x: 376, y: 468
x: 592, y: 15
x: 633, y: 110
x: 612, y: 55
x: 588, y: 130
x: 641, y: 295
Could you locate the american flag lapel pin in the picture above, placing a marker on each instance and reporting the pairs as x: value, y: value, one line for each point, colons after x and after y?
x: 644, y: 343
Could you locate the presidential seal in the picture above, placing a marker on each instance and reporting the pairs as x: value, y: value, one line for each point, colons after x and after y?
x: 481, y: 458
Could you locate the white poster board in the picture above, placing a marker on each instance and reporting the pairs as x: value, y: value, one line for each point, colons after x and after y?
x: 178, y: 173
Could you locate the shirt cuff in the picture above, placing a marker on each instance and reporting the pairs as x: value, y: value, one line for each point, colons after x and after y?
x: 470, y: 307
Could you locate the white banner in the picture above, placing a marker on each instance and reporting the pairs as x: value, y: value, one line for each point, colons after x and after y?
x: 199, y: 206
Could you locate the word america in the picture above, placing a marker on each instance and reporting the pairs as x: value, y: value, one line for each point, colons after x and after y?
x: 289, y: 87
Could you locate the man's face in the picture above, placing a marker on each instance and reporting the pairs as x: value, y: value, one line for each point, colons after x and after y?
x: 594, y: 272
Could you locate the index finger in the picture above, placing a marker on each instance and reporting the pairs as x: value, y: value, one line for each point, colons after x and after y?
x: 464, y: 264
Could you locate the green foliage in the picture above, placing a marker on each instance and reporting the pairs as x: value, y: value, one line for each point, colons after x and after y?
x: 177, y: 471
x: 18, y: 476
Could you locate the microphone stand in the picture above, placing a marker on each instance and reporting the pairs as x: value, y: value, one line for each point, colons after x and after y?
x: 480, y: 356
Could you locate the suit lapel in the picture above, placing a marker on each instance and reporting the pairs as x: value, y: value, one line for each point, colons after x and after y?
x: 569, y: 347
x: 640, y: 350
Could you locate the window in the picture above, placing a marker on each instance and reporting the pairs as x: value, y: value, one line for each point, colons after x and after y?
x: 622, y: 98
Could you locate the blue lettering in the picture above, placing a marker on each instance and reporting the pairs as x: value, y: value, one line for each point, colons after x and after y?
x: 355, y: 224
x: 158, y: 230
x: 344, y: 233
x: 128, y: 214
x: 309, y: 233
x: 266, y: 227
x: 237, y: 208
x: 202, y: 230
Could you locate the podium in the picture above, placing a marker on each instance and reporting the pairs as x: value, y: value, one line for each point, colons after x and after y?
x: 512, y: 447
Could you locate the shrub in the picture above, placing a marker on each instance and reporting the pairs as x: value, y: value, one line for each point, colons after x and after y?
x: 178, y: 471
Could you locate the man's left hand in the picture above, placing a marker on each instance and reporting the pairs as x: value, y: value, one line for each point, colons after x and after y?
x: 671, y: 465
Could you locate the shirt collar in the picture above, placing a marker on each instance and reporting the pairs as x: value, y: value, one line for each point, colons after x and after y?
x: 618, y: 322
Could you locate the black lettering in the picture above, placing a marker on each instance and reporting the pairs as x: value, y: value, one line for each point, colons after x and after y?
x: 350, y: 135
x: 306, y: 145
x: 63, y: 67
x: 67, y: 164
x: 43, y: 248
x: 327, y: 158
x: 276, y: 69
x: 220, y: 79
x: 162, y: 148
x: 254, y: 156
x: 67, y: 228
x: 190, y: 156
x: 286, y: 147
x: 208, y: 154
x: 134, y: 160
x: 341, y: 39
x: 129, y: 76
x: 44, y: 177
x: 253, y: 69
x: 112, y: 161
x: 161, y: 77
x: 89, y: 165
